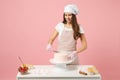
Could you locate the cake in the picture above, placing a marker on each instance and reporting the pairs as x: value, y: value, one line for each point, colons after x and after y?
x: 61, y: 57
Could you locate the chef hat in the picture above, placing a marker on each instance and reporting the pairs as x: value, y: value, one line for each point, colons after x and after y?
x: 71, y: 8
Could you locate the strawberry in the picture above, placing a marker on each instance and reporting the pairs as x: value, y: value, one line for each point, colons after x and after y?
x: 23, y: 69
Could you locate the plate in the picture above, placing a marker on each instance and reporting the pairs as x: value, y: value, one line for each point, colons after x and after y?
x: 66, y: 62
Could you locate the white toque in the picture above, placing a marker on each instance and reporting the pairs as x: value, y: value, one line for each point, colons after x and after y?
x: 71, y: 8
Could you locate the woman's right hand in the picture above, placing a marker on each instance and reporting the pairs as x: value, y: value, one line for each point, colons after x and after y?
x: 49, y: 47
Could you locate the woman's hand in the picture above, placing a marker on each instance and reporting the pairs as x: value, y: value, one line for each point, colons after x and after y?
x: 51, y: 40
x: 73, y: 55
x: 49, y: 47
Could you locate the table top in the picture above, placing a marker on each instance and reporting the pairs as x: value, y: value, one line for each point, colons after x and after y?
x: 48, y: 71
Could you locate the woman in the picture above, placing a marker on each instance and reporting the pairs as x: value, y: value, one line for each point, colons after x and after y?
x: 68, y: 32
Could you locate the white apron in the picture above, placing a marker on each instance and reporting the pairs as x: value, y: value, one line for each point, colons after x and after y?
x: 67, y: 43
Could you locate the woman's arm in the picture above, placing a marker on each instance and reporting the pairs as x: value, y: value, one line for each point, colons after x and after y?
x: 52, y: 38
x: 83, y: 42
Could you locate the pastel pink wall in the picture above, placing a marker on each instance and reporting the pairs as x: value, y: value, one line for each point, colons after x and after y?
x: 25, y: 26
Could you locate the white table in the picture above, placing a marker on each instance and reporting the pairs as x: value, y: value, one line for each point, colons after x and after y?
x: 50, y: 72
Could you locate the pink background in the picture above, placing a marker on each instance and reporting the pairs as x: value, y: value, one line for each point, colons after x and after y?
x: 25, y: 27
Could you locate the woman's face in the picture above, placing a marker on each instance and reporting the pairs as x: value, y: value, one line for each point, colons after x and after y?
x: 68, y: 17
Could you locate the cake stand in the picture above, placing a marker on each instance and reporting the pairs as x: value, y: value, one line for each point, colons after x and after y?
x: 60, y: 66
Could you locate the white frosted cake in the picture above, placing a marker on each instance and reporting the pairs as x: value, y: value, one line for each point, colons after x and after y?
x: 61, y: 57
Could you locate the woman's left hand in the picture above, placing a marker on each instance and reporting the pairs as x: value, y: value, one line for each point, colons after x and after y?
x: 73, y: 55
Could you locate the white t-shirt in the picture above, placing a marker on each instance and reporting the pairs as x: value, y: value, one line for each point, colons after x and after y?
x: 60, y: 27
